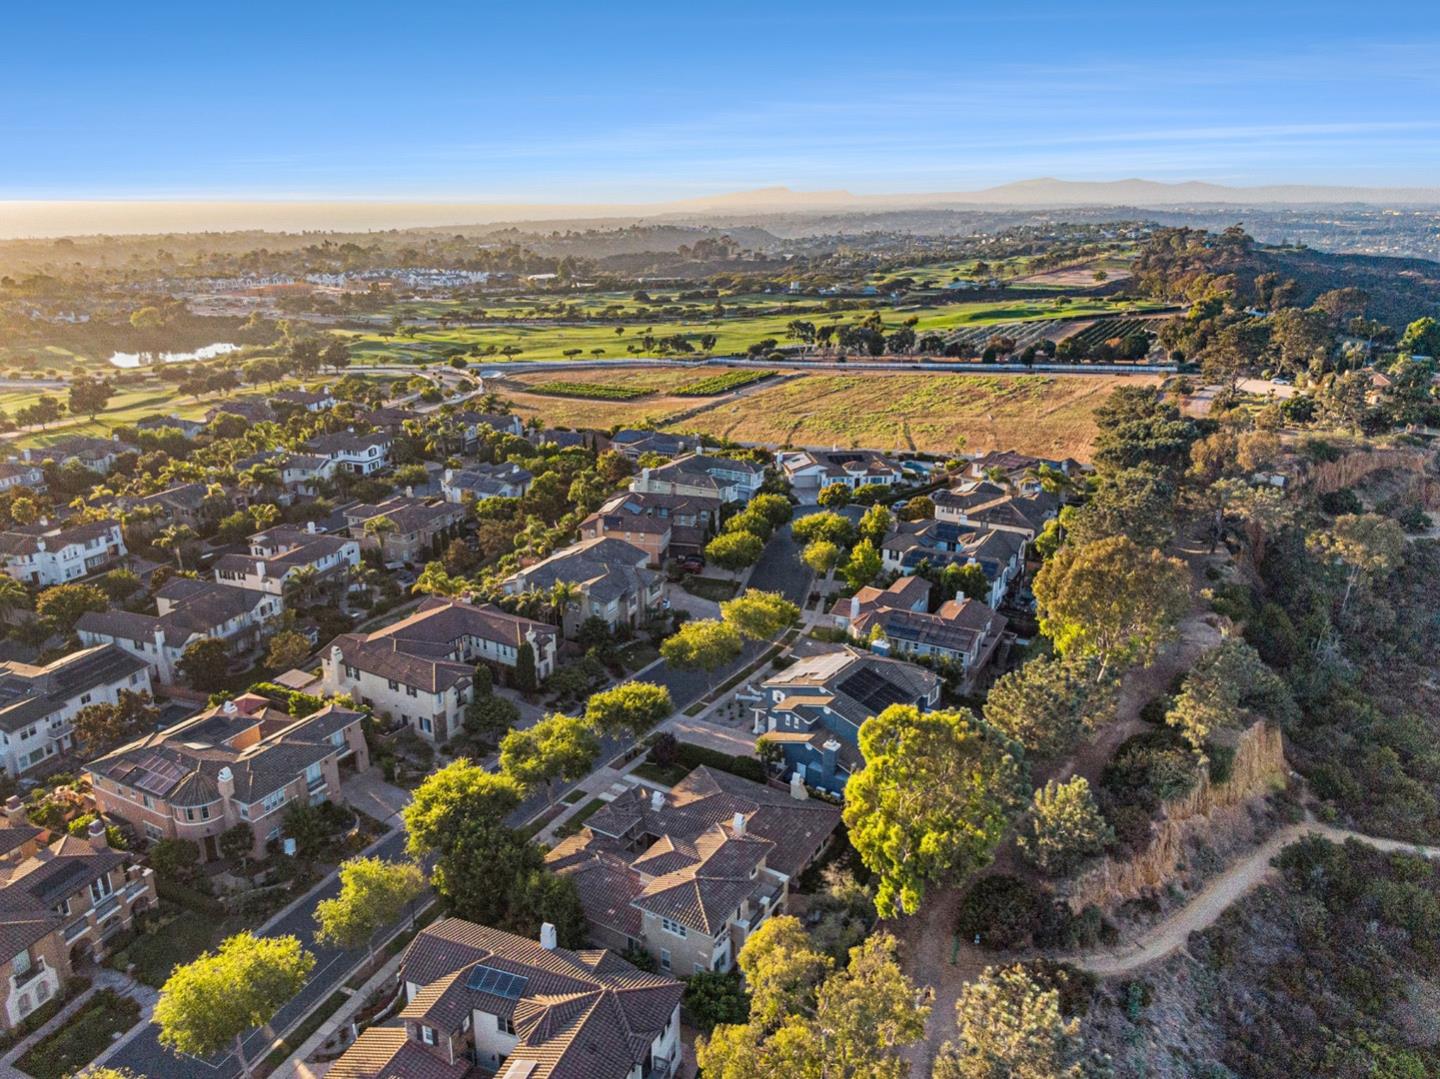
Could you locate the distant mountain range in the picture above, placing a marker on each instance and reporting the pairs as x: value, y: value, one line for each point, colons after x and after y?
x: 44, y: 219
x: 1059, y: 193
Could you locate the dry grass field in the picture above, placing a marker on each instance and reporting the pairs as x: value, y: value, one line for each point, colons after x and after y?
x: 1048, y: 415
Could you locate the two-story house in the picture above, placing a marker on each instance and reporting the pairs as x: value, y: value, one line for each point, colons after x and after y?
x: 303, y: 473
x: 38, y: 703
x: 897, y: 621
x: 635, y: 443
x: 361, y: 454
x: 407, y: 529
x: 482, y: 481
x: 987, y: 505
x: 666, y: 526
x: 811, y: 471
x: 244, y: 762
x: 282, y: 555
x: 95, y: 454
x: 420, y: 670
x: 704, y: 476
x: 480, y: 1001
x: 187, y: 610
x: 813, y: 709
x: 688, y: 876
x: 999, y: 553
x: 45, y: 554
x: 14, y: 474
x: 305, y: 400
x: 611, y: 578
x: 60, y: 905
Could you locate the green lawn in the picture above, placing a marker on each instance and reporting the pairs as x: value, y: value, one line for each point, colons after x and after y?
x: 638, y: 654
x: 733, y: 333
x: 577, y: 821
x: 711, y: 588
x: 178, y: 936
x: 83, y: 1037
x: 668, y: 775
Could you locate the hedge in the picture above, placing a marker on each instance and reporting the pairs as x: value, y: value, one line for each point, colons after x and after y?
x: 692, y: 756
x: 187, y: 896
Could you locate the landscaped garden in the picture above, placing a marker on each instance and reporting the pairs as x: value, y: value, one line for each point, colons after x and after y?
x: 82, y: 1037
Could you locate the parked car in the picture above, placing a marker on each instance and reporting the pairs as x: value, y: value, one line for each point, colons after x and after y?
x: 692, y: 563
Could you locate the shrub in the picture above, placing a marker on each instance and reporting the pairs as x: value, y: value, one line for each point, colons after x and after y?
x: 1003, y: 912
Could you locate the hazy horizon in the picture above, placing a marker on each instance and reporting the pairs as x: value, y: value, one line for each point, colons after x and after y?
x: 573, y: 105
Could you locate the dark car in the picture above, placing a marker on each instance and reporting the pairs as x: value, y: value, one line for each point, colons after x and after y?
x: 692, y: 563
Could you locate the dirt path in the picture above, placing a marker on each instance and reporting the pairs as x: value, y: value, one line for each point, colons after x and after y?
x: 1219, y: 895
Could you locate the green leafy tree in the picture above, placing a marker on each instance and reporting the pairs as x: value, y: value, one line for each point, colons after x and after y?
x: 60, y: 606
x: 1422, y: 337
x: 751, y: 521
x: 212, y: 1002
x: 968, y: 580
x: 712, y: 997
x: 526, y: 680
x: 1047, y: 704
x: 89, y: 396
x: 287, y: 649
x: 759, y: 616
x: 373, y: 895
x: 808, y: 1019
x: 735, y: 550
x: 822, y: 556
x: 1065, y: 827
x: 101, y: 726
x: 557, y: 749
x: 876, y: 524
x: 1009, y: 1026
x: 863, y: 565
x: 933, y: 800
x: 459, y: 792
x: 705, y: 645
x: 489, y: 716
x: 629, y: 709
x: 835, y: 496
x: 1111, y: 599
x: 237, y: 843
x: 834, y: 527
x: 777, y: 509
x: 1226, y: 687
x: 205, y: 664
x: 1366, y: 544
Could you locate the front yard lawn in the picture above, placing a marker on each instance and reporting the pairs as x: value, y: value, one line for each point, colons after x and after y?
x: 177, y: 936
x: 577, y: 820
x: 668, y: 775
x: 715, y: 589
x: 638, y: 654
x: 80, y: 1040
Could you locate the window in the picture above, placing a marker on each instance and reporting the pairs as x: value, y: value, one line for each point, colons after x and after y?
x: 153, y: 833
x: 273, y: 801
x: 427, y: 1034
x: 101, y: 887
x: 21, y: 964
x: 393, y: 684
x: 506, y: 1025
x: 244, y: 810
x: 314, y: 774
x: 62, y: 908
x: 672, y: 927
x: 411, y: 691
x: 664, y: 959
x: 337, y: 739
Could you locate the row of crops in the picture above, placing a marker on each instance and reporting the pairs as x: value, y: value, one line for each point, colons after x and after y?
x: 1022, y: 333
x: 718, y: 384
x: 1110, y: 329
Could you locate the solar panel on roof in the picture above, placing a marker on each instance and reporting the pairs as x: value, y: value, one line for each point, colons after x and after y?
x: 872, y: 691
x: 157, y: 775
x: 498, y: 983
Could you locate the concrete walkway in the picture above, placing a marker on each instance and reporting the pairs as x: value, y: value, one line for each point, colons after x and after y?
x: 102, y: 978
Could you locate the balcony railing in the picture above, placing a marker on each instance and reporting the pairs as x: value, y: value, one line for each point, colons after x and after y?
x: 135, y: 889
x: 106, y: 907
x: 75, y: 929
x: 37, y: 968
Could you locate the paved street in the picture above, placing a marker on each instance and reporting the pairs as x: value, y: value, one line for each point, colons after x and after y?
x: 143, y: 1053
x: 779, y: 571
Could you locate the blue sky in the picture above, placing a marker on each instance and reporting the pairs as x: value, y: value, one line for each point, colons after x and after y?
x: 559, y: 102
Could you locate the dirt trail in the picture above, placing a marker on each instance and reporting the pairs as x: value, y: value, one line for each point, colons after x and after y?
x: 1219, y: 895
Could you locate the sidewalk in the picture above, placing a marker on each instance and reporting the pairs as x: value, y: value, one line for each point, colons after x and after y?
x: 104, y: 978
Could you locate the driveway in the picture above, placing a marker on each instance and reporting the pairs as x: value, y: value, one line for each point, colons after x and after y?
x: 370, y: 794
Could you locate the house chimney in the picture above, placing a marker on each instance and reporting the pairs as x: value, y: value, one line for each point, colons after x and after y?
x: 737, y: 823
x: 229, y: 708
x: 95, y: 834
x: 225, y: 782
x: 657, y: 801
x: 310, y: 527
x: 797, y: 786
x: 409, y: 492
x: 14, y: 811
x: 548, y: 939
x: 854, y: 608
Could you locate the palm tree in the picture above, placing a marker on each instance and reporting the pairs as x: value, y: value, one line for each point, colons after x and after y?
x: 562, y: 595
x: 300, y: 584
x: 176, y: 538
x: 378, y: 528
x: 13, y: 596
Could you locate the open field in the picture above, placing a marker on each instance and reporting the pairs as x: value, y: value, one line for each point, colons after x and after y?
x: 549, y: 341
x: 1049, y: 415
